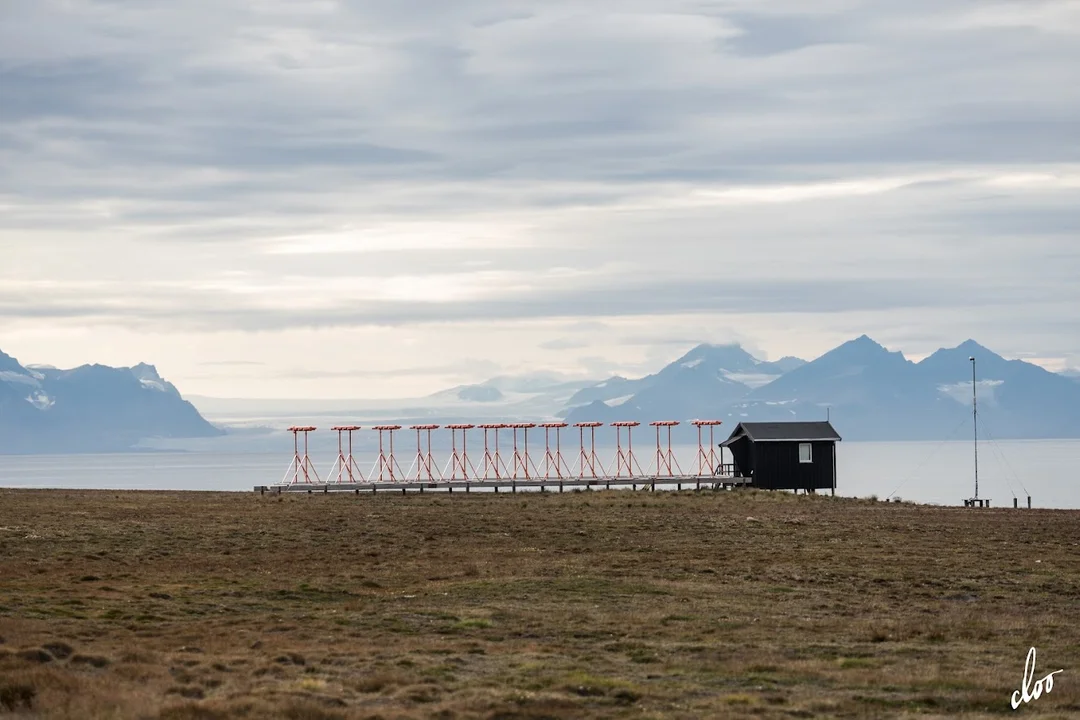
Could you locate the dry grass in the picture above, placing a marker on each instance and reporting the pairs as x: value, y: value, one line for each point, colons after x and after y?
x: 206, y: 606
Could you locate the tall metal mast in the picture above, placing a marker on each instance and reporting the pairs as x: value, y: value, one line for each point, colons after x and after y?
x: 975, y: 418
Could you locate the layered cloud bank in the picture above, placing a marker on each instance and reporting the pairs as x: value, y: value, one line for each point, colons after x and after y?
x: 320, y: 198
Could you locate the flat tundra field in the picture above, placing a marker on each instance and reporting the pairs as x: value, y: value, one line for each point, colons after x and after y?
x: 198, y: 606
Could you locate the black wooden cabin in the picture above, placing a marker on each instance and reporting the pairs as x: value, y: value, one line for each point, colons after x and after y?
x: 785, y: 455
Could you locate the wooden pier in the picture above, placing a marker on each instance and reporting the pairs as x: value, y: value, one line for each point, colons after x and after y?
x: 510, y: 485
x: 525, y: 470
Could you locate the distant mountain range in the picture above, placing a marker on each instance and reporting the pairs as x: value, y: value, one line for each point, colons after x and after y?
x: 92, y: 408
x: 867, y: 391
x: 709, y: 377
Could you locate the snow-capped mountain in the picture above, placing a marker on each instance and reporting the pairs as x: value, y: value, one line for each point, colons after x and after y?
x: 707, y: 377
x: 1016, y: 398
x: 869, y: 393
x: 861, y: 386
x: 92, y: 408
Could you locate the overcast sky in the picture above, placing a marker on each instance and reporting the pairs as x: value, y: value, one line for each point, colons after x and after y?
x: 320, y: 198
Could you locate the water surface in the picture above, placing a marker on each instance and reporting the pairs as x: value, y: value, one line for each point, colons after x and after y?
x: 927, y: 472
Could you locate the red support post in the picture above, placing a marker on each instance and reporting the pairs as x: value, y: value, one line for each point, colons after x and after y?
x: 424, y: 462
x: 301, y: 463
x: 345, y: 465
x: 554, y: 458
x: 386, y: 465
x: 522, y: 462
x: 493, y: 462
x: 588, y: 461
x: 708, y: 462
x: 297, y: 462
x: 460, y: 461
x: 625, y: 460
x: 666, y: 464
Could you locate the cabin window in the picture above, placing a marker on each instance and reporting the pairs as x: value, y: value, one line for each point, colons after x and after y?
x: 806, y: 454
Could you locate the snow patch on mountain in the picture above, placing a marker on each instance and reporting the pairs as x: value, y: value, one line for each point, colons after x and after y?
x: 35, y: 370
x: 152, y: 384
x: 616, y: 402
x: 150, y: 379
x: 40, y: 400
x: 751, y: 380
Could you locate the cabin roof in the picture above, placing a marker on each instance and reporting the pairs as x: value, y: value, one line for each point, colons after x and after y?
x: 783, y: 432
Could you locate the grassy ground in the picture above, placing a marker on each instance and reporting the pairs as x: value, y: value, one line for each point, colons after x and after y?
x: 585, y: 605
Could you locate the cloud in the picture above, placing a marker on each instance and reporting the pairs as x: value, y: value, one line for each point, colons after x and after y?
x: 468, y: 369
x: 232, y: 363
x: 210, y: 308
x: 619, y: 167
x: 564, y: 344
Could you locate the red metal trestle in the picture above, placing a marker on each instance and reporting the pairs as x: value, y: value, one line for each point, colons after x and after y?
x: 386, y: 468
x: 553, y: 459
x: 666, y: 464
x: 589, y: 465
x: 708, y: 462
x: 494, y: 467
x: 522, y: 466
x: 424, y: 464
x: 625, y: 463
x: 301, y: 464
x: 459, y: 461
x: 345, y: 466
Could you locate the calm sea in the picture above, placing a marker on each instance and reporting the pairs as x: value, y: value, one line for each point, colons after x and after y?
x: 941, y: 472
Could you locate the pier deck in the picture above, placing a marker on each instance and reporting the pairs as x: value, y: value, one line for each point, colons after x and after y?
x: 510, y: 485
